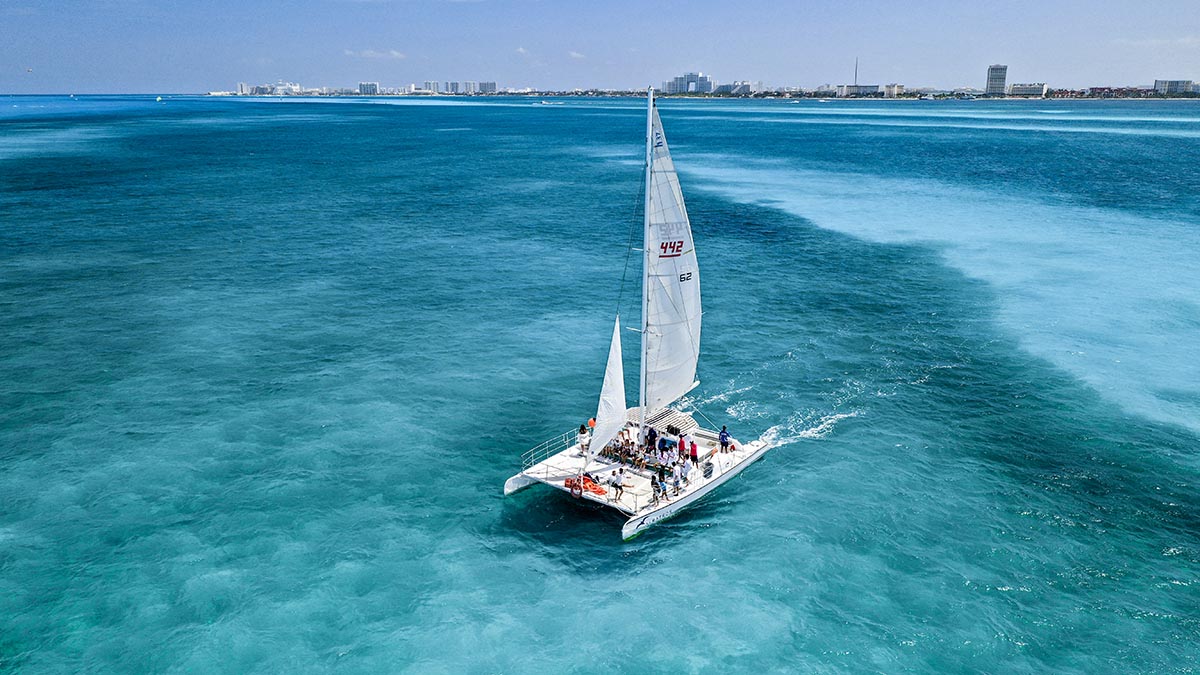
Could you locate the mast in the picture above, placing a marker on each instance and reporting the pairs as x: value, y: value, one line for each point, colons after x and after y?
x: 670, y: 279
x: 646, y: 258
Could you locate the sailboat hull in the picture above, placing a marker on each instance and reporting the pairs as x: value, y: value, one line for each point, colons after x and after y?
x: 558, y: 463
x: 517, y: 483
x: 735, y: 463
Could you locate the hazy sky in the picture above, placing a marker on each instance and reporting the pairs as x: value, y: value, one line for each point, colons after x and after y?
x: 158, y: 46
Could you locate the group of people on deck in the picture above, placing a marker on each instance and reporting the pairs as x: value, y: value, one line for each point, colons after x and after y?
x: 671, y: 459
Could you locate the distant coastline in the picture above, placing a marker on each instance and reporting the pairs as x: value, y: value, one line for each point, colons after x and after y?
x: 1057, y: 94
x: 629, y: 94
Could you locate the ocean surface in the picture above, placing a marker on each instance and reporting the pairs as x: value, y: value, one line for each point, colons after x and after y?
x: 266, y: 364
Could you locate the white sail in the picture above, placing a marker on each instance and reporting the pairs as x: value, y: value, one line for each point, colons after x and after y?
x: 671, y: 281
x: 610, y: 415
x: 670, y: 347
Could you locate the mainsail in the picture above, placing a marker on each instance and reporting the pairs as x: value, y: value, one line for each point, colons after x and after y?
x: 671, y: 281
x: 610, y: 415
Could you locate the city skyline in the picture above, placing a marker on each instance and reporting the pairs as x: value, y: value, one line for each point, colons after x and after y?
x: 700, y: 84
x: 139, y: 46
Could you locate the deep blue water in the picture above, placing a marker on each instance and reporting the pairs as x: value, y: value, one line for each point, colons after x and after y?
x: 265, y: 365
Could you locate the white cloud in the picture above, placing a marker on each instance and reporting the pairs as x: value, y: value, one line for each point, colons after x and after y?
x: 576, y: 55
x: 376, y: 54
x: 1185, y: 41
x: 522, y: 51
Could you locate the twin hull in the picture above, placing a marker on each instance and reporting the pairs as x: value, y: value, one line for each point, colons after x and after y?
x: 645, y: 518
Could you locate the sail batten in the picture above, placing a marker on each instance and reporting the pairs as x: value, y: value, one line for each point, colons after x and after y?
x: 671, y: 281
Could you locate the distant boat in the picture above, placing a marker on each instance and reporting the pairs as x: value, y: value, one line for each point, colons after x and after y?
x: 158, y: 99
x: 822, y: 100
x: 551, y: 102
x: 670, y: 350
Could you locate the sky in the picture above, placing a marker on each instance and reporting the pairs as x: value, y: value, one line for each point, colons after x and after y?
x: 177, y: 46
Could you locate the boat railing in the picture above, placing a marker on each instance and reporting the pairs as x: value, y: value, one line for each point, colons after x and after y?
x: 547, y: 449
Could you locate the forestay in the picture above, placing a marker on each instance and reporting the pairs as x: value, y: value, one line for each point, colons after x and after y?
x: 671, y: 282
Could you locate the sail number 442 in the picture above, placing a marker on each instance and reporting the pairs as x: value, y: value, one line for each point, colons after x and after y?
x: 671, y: 249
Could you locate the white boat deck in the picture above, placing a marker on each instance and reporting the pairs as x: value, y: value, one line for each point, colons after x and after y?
x: 637, y: 500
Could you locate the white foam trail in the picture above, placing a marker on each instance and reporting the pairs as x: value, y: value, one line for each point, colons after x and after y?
x: 783, y: 434
x: 723, y: 396
x: 745, y: 410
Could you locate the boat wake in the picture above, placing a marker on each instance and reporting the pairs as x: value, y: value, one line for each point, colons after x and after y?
x: 784, y: 434
x: 722, y: 397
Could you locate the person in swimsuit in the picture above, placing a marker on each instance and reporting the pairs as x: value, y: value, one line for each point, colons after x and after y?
x: 582, y: 437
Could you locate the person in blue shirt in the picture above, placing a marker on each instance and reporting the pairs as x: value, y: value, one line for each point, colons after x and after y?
x: 657, y: 489
x: 724, y: 438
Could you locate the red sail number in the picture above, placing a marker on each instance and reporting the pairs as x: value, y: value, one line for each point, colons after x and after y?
x: 671, y: 249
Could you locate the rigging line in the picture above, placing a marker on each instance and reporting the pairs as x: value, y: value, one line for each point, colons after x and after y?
x: 629, y: 248
x: 698, y: 412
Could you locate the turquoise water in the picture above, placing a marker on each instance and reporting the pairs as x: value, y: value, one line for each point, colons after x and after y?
x: 265, y: 365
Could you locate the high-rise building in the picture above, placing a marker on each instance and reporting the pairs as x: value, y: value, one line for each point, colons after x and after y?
x: 450, y: 88
x: 487, y: 87
x: 470, y: 87
x: 368, y: 88
x: 431, y: 85
x: 997, y: 77
x: 893, y: 90
x: 243, y: 89
x: 1172, y: 86
x: 694, y: 83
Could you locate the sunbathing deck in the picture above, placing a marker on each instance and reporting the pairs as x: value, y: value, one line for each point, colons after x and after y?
x: 553, y: 466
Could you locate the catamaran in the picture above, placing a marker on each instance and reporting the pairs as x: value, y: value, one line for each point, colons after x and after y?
x: 670, y: 349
